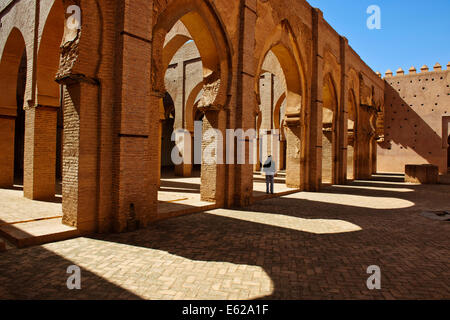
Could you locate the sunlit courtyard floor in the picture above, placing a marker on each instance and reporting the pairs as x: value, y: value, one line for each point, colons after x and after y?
x: 22, y: 219
x: 299, y: 246
x: 280, y: 188
x: 15, y: 208
x: 180, y: 195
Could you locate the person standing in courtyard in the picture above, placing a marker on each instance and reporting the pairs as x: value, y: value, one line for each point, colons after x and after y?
x: 270, y: 171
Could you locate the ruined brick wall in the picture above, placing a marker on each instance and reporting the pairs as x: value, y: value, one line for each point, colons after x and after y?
x: 416, y: 120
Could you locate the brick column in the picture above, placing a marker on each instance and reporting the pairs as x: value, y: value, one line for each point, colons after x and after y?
x: 40, y: 153
x: 374, y: 156
x: 282, y: 155
x: 328, y: 164
x: 7, y: 131
x: 363, y: 155
x: 350, y: 155
x: 364, y: 163
x: 160, y: 124
x: 256, y: 147
x: 245, y: 101
x: 136, y: 176
x: 293, y: 161
x: 185, y: 169
x: 314, y: 116
x: 342, y: 128
x: 213, y: 172
x: 80, y: 154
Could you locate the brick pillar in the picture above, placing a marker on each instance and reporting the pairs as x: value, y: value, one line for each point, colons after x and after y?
x: 192, y: 151
x: 257, y: 165
x: 40, y: 153
x: 80, y: 154
x: 327, y: 156
x: 364, y: 170
x: 314, y: 116
x: 350, y: 156
x: 293, y: 161
x: 282, y: 155
x: 160, y: 128
x: 357, y: 148
x: 183, y: 140
x: 374, y: 156
x: 246, y: 107
x: 342, y: 118
x: 7, y: 130
x: 212, y: 175
x: 363, y: 148
x: 183, y: 170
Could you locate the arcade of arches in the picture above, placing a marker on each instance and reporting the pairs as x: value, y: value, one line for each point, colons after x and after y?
x: 88, y: 114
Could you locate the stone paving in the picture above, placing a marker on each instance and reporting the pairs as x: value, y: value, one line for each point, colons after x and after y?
x: 178, y: 195
x: 14, y: 207
x: 301, y: 246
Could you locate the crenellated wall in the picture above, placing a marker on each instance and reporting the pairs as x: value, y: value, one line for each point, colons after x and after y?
x: 416, y: 119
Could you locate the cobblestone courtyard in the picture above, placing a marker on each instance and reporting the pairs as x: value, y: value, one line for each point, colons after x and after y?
x: 301, y: 246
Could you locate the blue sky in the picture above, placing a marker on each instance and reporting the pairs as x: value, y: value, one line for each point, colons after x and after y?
x: 413, y: 33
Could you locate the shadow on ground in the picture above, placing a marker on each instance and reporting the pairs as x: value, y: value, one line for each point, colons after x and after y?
x: 411, y: 251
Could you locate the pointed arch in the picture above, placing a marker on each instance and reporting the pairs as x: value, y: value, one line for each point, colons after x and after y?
x: 276, y: 111
x: 353, y: 84
x: 330, y: 96
x: 13, y: 54
x: 172, y: 46
x: 9, y: 68
x: 190, y: 106
x: 282, y: 43
x: 352, y: 108
x: 329, y: 128
x: 202, y: 23
x: 48, y: 90
x: 174, y: 40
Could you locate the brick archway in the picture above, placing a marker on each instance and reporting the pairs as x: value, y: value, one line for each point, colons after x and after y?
x: 48, y: 90
x: 281, y: 42
x: 329, y: 128
x: 279, y: 120
x: 174, y: 41
x: 42, y: 125
x: 191, y: 108
x: 204, y: 27
x: 11, y: 58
